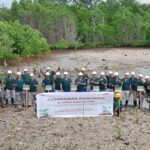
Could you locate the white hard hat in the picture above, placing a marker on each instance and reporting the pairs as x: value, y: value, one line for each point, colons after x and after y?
x: 47, y: 73
x: 31, y: 75
x: 140, y: 75
x: 110, y: 72
x: 48, y: 68
x: 9, y: 72
x: 83, y: 69
x: 132, y: 73
x: 25, y: 70
x: 66, y: 73
x: 146, y: 77
x: 80, y: 74
x: 18, y: 73
x: 116, y: 74
x: 102, y: 73
x: 57, y: 73
x: 127, y: 74
x: 94, y: 72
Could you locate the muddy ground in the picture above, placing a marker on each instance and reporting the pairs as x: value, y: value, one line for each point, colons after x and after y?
x: 21, y: 130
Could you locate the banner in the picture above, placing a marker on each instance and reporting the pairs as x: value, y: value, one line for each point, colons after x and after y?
x: 74, y: 104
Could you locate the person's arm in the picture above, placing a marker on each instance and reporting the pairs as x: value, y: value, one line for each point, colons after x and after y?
x: 61, y: 88
x: 43, y: 73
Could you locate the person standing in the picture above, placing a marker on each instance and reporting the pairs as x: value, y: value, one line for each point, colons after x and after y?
x: 9, y: 86
x: 109, y: 78
x: 52, y: 73
x: 25, y: 76
x: 125, y: 89
x: 133, y: 88
x: 116, y: 81
x: 147, y: 86
x: 66, y: 82
x: 140, y: 82
x: 32, y: 88
x: 102, y: 82
x: 58, y: 82
x: 81, y: 83
x: 86, y: 77
x: 94, y: 81
x: 19, y: 96
x: 48, y: 82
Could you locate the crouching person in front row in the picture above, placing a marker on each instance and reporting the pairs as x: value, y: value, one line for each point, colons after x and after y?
x: 19, y: 96
x: 117, y: 100
x: 32, y: 89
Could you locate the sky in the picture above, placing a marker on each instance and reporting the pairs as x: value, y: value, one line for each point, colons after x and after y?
x: 8, y: 2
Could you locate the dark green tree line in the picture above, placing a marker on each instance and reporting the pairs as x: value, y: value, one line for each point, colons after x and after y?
x: 78, y: 23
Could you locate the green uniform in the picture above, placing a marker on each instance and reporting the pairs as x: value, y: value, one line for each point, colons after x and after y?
x: 66, y: 84
x: 140, y: 83
x: 102, y: 84
x: 116, y: 82
x: 58, y: 82
x: 146, y: 85
x: 26, y: 78
x: 116, y: 104
x: 46, y: 82
x: 109, y: 82
x: 19, y: 85
x: 80, y: 87
x: 94, y: 82
x: 9, y: 83
x: 134, y: 82
x: 52, y: 73
x: 32, y: 84
x: 126, y: 84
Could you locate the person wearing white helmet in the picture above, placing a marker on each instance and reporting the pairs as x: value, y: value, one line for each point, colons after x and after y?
x: 58, y: 82
x: 126, y: 84
x: 109, y: 80
x: 66, y: 82
x: 94, y: 81
x: 81, y: 83
x: 52, y: 73
x: 26, y: 75
x: 9, y: 87
x: 48, y: 83
x: 140, y: 82
x: 147, y: 87
x: 32, y: 89
x: 116, y: 81
x: 133, y: 88
x: 85, y: 76
x: 19, y: 82
x: 102, y: 82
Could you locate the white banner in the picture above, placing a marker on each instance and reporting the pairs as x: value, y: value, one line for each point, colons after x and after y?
x: 74, y: 104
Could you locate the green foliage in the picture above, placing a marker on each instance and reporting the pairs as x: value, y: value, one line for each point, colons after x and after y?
x: 72, y: 24
x: 17, y: 39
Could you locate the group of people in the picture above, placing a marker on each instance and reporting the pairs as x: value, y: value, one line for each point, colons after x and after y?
x: 12, y: 90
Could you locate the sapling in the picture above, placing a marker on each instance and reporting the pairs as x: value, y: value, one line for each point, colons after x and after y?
x: 13, y: 127
x: 136, y: 115
x: 119, y: 130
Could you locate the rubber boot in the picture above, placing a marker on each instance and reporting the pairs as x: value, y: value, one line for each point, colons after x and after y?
x: 126, y: 103
x: 118, y: 112
x: 12, y: 101
x: 6, y: 102
x: 135, y: 103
